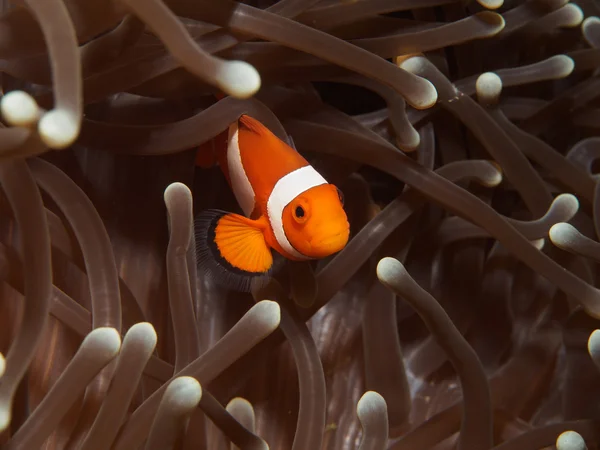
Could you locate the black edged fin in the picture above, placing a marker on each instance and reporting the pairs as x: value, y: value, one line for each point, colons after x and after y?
x: 291, y: 142
x: 253, y: 125
x: 213, y: 264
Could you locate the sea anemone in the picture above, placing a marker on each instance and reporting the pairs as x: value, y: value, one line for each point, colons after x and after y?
x: 464, y: 311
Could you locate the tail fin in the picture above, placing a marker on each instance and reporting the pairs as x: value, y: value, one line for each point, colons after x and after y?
x: 232, y: 250
x: 206, y: 155
x: 208, y: 152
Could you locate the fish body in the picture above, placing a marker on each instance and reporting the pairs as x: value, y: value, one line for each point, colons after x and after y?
x: 288, y: 206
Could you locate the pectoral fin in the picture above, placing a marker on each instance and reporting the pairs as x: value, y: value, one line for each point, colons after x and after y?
x: 232, y: 249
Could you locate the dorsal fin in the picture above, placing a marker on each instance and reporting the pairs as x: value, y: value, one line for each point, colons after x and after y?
x: 254, y: 126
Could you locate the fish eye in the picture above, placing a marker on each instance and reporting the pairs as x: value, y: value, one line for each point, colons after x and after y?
x: 299, y: 210
x: 340, y: 195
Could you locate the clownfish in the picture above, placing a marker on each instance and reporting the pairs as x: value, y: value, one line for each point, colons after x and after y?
x: 288, y: 207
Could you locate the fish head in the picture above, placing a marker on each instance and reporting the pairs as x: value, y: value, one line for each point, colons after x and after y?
x: 315, y: 222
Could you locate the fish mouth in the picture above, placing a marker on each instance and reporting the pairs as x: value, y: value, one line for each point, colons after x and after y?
x: 331, y: 244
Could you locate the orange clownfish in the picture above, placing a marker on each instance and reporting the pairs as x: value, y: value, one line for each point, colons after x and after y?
x: 288, y: 207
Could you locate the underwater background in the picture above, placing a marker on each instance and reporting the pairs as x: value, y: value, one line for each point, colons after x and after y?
x: 461, y: 314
